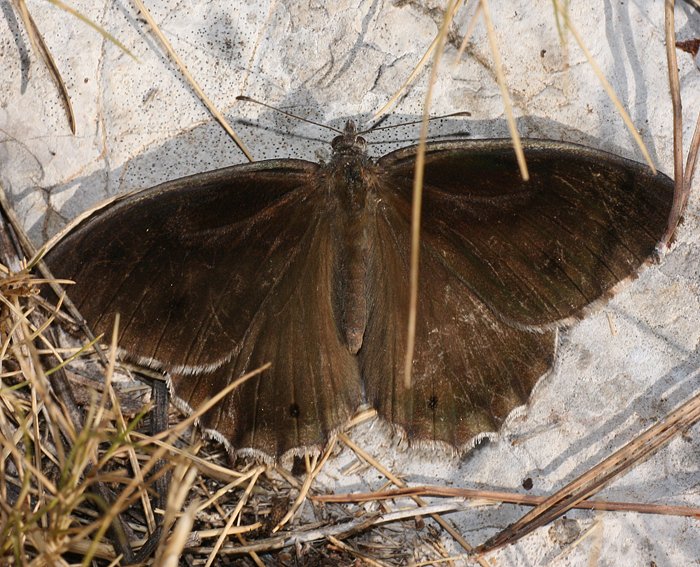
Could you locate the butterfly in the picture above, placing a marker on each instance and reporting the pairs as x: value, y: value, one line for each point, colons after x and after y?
x: 306, y: 265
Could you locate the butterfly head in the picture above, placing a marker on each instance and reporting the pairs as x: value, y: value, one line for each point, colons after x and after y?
x: 349, y: 142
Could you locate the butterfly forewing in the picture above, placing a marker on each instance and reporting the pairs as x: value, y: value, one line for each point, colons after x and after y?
x: 536, y: 252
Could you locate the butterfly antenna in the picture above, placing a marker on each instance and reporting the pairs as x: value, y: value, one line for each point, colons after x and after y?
x: 288, y: 114
x: 376, y: 126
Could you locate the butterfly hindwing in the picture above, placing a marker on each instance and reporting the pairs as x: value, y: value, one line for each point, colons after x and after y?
x: 313, y: 387
x: 470, y: 368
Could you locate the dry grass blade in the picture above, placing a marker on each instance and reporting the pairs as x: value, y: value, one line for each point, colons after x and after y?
x: 254, y: 473
x: 505, y: 96
x: 41, y: 48
x: 184, y: 476
x: 170, y: 556
x: 682, y: 178
x: 46, y: 514
x: 589, y: 483
x: 124, y: 499
x: 49, y: 470
x: 233, y: 517
x: 344, y: 530
x: 99, y: 29
x: 55, y: 284
x: 468, y: 33
x: 398, y: 482
x: 693, y: 152
x: 209, y: 468
x: 363, y: 557
x: 312, y: 468
x: 50, y: 467
x: 595, y: 531
x: 418, y: 198
x: 124, y: 431
x: 77, y: 354
x: 437, y: 43
x: 220, y: 118
x: 411, y: 77
x: 564, y: 15
x: 438, y: 49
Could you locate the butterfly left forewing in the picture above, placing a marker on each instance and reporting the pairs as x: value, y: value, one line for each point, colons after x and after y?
x: 188, y: 263
x: 537, y: 252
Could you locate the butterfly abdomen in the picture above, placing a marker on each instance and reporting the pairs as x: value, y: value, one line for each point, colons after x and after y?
x: 354, y: 203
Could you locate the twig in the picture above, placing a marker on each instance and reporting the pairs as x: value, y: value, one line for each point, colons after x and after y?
x: 593, y: 480
x: 496, y: 496
x: 340, y: 530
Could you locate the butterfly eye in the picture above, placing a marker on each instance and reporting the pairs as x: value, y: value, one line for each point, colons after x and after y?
x: 349, y: 143
x: 337, y: 141
x: 294, y: 410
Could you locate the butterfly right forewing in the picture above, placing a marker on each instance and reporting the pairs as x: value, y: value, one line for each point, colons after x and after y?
x: 537, y: 252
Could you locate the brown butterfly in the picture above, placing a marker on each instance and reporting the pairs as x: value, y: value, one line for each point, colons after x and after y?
x: 306, y: 266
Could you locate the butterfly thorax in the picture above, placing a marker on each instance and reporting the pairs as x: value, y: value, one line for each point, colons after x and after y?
x: 349, y: 170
